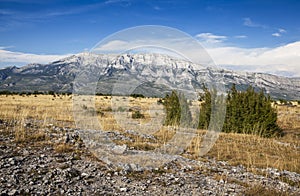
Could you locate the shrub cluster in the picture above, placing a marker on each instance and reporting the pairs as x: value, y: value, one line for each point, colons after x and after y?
x: 28, y: 93
x: 177, y: 110
x: 248, y: 112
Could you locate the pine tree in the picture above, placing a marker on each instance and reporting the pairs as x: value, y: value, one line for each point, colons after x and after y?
x: 177, y: 110
x: 172, y: 108
x: 205, y: 110
x: 247, y: 112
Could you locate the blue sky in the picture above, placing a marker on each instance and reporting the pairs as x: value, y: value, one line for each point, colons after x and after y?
x: 50, y: 29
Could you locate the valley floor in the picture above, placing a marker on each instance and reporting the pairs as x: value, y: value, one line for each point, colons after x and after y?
x: 61, y: 165
x: 41, y: 153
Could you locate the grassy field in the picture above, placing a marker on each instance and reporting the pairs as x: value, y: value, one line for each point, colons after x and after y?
x: 251, y: 151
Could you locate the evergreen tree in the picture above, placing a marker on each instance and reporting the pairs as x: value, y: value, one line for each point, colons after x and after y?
x: 247, y: 112
x: 177, y: 110
x: 172, y: 108
x: 205, y: 111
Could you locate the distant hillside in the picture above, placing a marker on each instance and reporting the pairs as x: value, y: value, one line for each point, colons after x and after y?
x: 158, y: 73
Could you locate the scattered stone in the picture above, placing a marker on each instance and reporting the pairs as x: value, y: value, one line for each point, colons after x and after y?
x: 40, y: 170
x: 13, y: 192
x: 123, y: 189
x: 119, y: 149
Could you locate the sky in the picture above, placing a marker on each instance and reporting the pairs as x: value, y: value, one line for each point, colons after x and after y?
x: 249, y: 35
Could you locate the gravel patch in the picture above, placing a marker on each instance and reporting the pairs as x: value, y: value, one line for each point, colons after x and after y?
x: 36, y: 168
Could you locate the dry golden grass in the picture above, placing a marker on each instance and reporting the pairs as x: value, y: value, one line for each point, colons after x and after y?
x: 44, y: 109
x: 260, y: 190
x: 63, y: 148
x: 248, y: 150
x: 289, y: 116
x: 253, y: 151
x: 24, y: 135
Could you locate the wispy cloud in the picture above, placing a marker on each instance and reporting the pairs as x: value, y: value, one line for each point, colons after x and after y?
x: 211, y: 38
x: 157, y: 8
x: 114, y: 46
x: 282, y: 30
x: 124, y: 3
x: 113, y: 1
x: 249, y: 23
x: 6, y: 12
x: 240, y: 36
x: 276, y: 34
x: 24, y: 2
x: 279, y: 32
x: 5, y: 47
x: 10, y: 18
x: 10, y: 58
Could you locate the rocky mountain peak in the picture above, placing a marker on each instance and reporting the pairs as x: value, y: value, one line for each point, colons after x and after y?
x: 149, y: 67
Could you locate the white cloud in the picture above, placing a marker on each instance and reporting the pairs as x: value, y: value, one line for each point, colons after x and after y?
x: 211, y: 38
x: 283, y: 59
x: 276, y: 34
x: 282, y: 30
x: 113, y: 46
x: 279, y: 33
x: 240, y: 36
x: 5, y: 47
x: 11, y: 58
x: 249, y: 23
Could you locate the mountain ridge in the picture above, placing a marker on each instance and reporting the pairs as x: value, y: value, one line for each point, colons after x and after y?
x: 149, y: 68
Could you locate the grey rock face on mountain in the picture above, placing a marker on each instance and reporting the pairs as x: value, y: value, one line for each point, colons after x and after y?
x: 156, y: 72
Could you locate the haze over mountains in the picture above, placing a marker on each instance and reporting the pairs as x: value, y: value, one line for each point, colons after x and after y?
x: 157, y: 74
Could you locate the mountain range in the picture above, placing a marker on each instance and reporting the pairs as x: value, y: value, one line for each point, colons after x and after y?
x: 156, y: 74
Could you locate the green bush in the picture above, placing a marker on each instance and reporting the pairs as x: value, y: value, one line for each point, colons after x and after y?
x: 246, y: 112
x: 137, y: 115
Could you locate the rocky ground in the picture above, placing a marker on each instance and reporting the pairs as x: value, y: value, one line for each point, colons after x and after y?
x: 58, y: 163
